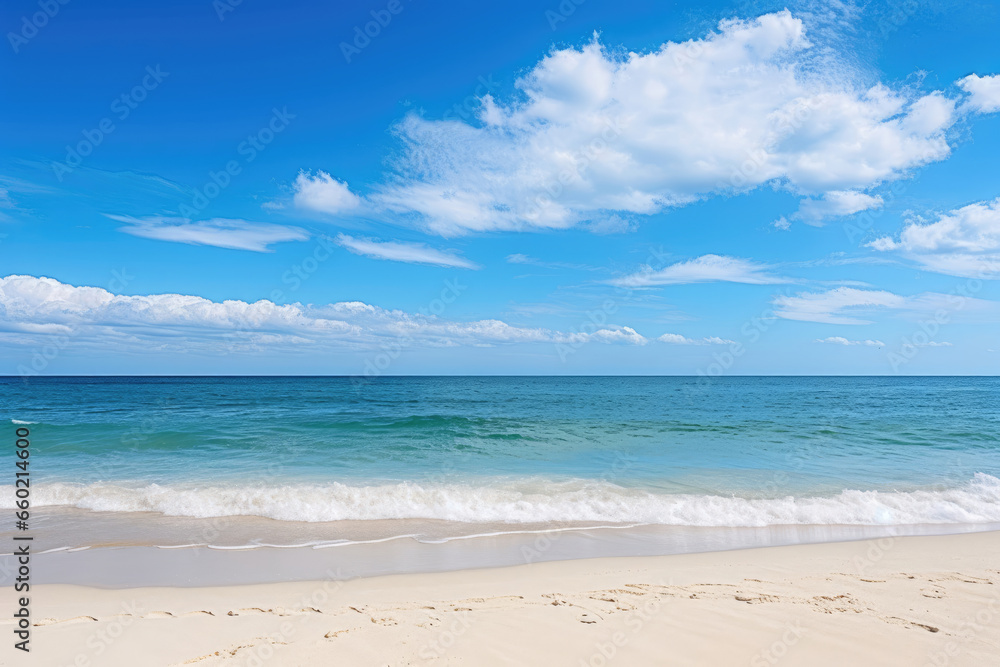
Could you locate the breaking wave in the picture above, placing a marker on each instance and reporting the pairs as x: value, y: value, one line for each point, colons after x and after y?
x: 976, y: 501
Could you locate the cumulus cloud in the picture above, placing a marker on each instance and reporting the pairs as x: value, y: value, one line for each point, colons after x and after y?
x: 46, y: 306
x: 704, y: 269
x: 840, y: 340
x: 617, y: 335
x: 592, y: 132
x: 323, y: 193
x: 413, y: 253
x: 963, y: 242
x: 846, y: 305
x: 984, y: 92
x: 677, y: 339
x: 218, y: 232
x: 835, y: 204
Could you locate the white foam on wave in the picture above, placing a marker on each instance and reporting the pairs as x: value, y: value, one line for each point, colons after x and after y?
x: 977, y: 501
x: 19, y: 422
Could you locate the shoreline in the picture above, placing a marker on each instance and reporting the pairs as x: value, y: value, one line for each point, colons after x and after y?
x: 130, y: 565
x: 925, y: 600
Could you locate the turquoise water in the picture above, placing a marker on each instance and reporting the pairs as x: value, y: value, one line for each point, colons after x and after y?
x: 742, y: 451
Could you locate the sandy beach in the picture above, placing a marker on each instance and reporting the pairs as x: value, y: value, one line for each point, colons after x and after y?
x: 892, y: 601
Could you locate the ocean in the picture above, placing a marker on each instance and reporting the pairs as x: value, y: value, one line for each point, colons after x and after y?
x: 444, y: 457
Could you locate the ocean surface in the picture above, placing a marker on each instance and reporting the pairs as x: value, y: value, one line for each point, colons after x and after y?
x: 509, y: 452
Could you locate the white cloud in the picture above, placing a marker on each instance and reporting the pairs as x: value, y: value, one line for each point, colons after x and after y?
x: 963, y: 242
x: 593, y: 132
x: 707, y: 268
x: 984, y: 92
x: 618, y: 335
x: 611, y: 224
x: 845, y: 305
x: 830, y: 306
x: 883, y: 244
x: 835, y: 204
x: 783, y: 224
x: 5, y: 203
x: 218, y: 232
x: 182, y: 322
x: 519, y: 258
x: 323, y: 193
x: 840, y: 340
x: 677, y: 339
x: 414, y: 253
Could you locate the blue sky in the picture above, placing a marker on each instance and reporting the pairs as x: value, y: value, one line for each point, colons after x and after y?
x: 524, y: 187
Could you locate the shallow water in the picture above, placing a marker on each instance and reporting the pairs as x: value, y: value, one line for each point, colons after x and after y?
x: 509, y: 452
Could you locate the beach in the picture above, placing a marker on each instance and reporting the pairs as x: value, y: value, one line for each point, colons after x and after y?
x: 929, y: 600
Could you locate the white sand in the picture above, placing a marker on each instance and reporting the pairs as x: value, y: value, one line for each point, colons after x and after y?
x: 896, y: 601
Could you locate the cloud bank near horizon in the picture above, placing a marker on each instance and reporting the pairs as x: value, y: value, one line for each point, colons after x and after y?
x: 32, y: 308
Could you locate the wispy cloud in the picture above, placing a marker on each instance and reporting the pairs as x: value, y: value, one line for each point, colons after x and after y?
x: 704, y: 269
x: 413, y: 253
x: 519, y: 258
x: 847, y: 305
x: 9, y: 185
x: 218, y: 232
x: 840, y: 340
x: 677, y: 339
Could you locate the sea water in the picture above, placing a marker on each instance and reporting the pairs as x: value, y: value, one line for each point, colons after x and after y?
x: 510, y: 452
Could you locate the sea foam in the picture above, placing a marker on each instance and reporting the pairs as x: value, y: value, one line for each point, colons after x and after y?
x: 976, y: 501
